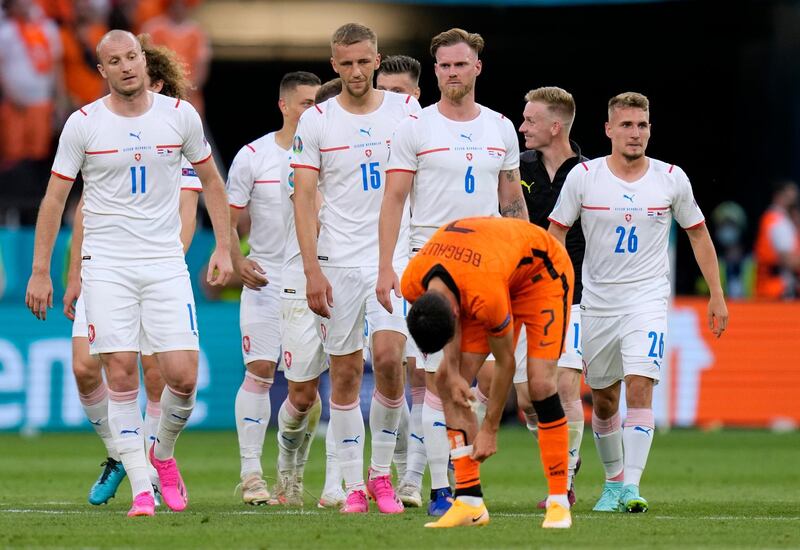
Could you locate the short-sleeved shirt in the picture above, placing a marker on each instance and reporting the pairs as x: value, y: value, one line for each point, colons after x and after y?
x: 254, y: 181
x: 456, y: 166
x: 131, y: 169
x: 189, y: 179
x: 627, y: 225
x: 350, y: 151
x: 485, y: 262
x: 293, y: 278
x: 540, y: 197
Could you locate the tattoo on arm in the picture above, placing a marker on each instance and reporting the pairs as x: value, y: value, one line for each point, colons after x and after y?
x: 516, y: 209
x: 512, y: 175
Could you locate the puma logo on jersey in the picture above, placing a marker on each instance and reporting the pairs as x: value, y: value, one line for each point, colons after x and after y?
x: 527, y: 185
x: 137, y: 136
x: 367, y: 132
x: 468, y: 137
x: 629, y: 197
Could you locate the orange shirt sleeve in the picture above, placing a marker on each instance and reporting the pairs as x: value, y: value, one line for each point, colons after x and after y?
x: 490, y: 303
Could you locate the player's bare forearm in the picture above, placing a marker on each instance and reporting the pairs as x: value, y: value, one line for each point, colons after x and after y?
x: 559, y: 232
x: 706, y: 257
x: 509, y: 191
x: 216, y: 203
x: 398, y: 185
x: 188, y: 212
x: 502, y: 377
x: 236, y: 250
x: 48, y: 223
x: 306, y: 216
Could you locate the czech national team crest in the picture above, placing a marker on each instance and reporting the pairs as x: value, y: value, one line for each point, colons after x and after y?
x: 368, y: 152
x: 469, y: 156
x: 91, y: 334
x: 246, y: 344
x: 287, y: 359
x: 628, y: 217
x: 138, y: 157
x: 297, y: 145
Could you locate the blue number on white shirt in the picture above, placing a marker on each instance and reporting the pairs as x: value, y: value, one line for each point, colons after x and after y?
x: 143, y: 177
x: 632, y: 241
x: 374, y: 179
x: 657, y: 341
x: 469, y: 181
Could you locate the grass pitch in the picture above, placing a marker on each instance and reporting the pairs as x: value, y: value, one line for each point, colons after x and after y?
x: 706, y: 489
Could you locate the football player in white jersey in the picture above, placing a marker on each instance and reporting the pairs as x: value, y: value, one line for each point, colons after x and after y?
x: 400, y: 74
x: 254, y: 182
x: 342, y: 147
x: 456, y: 158
x: 128, y: 147
x: 165, y: 75
x: 626, y: 202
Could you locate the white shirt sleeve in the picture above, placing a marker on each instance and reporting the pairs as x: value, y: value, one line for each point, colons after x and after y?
x: 404, y: 147
x: 568, y: 205
x: 195, y: 147
x: 240, y: 179
x: 684, y: 208
x: 413, y: 105
x: 783, y: 236
x: 511, y: 159
x: 71, y: 149
x: 305, y: 148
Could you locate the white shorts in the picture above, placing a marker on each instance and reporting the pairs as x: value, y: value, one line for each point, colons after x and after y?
x: 354, y: 300
x: 303, y: 356
x: 259, y: 322
x: 616, y: 347
x: 80, y: 328
x: 572, y: 358
x: 125, y: 302
x: 429, y: 362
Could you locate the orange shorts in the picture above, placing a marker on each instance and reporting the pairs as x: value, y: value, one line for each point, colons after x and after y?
x: 542, y: 306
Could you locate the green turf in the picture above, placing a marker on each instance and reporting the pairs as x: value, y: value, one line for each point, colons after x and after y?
x: 720, y: 489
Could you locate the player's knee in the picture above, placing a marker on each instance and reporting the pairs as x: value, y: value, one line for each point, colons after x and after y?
x: 302, y: 396
x: 541, y: 389
x: 605, y: 405
x: 87, y: 374
x: 262, y: 369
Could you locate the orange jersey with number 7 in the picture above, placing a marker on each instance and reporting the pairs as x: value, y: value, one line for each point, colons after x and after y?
x: 506, y: 273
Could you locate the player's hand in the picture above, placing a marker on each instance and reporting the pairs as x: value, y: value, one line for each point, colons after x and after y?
x: 71, y: 294
x: 485, y: 444
x: 39, y: 295
x: 319, y: 294
x: 220, y: 268
x: 253, y: 277
x: 387, y: 282
x: 717, y: 315
x: 461, y: 392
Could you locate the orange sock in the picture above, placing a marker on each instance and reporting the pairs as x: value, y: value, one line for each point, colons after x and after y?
x: 554, y: 450
x: 468, y: 474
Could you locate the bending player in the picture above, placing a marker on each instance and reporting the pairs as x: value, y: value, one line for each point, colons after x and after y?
x: 120, y: 143
x: 254, y: 182
x: 341, y: 148
x: 626, y: 202
x: 474, y: 283
x: 165, y: 75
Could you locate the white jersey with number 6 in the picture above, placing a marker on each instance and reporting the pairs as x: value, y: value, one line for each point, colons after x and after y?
x: 131, y: 169
x: 350, y: 152
x: 254, y: 180
x: 456, y: 166
x: 627, y: 225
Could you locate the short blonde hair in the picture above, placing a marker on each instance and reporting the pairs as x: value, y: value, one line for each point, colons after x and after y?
x: 559, y: 102
x: 628, y: 100
x: 353, y: 33
x: 457, y: 36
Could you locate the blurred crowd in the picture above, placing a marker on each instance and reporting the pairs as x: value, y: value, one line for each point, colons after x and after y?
x: 48, y: 69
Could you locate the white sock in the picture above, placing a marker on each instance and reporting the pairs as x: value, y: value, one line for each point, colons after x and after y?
x: 400, y: 457
x: 574, y: 414
x: 95, y: 405
x: 125, y: 421
x: 291, y: 434
x: 384, y: 418
x: 637, y: 436
x: 252, y: 409
x: 348, y: 430
x: 415, y: 466
x: 314, y: 414
x: 608, y: 440
x: 152, y: 416
x: 333, y: 473
x: 176, y: 408
x: 437, y: 446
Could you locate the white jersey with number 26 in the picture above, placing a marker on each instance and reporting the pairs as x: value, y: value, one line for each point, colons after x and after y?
x: 131, y: 169
x: 627, y: 225
x: 350, y: 152
x: 455, y: 164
